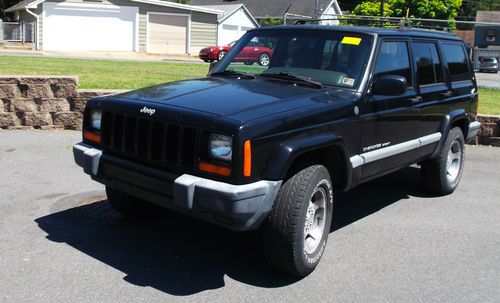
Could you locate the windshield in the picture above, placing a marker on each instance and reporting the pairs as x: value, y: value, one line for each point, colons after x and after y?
x: 329, y: 57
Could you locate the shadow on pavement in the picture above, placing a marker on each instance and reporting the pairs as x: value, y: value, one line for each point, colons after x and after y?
x: 182, y: 256
x: 371, y: 197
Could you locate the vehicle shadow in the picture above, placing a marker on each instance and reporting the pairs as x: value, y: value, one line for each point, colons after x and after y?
x: 183, y: 256
x: 373, y: 196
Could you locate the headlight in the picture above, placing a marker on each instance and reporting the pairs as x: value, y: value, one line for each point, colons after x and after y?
x: 220, y: 147
x: 95, y: 119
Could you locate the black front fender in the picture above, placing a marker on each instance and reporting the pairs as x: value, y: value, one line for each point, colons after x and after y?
x: 289, y: 150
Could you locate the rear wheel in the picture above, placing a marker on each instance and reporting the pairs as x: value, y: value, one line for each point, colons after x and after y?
x: 264, y: 59
x: 297, y: 228
x: 128, y: 205
x: 442, y: 175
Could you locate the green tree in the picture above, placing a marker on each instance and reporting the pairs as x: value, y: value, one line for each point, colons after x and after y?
x: 470, y: 7
x: 268, y: 21
x: 372, y: 8
x: 432, y: 9
x: 4, y: 4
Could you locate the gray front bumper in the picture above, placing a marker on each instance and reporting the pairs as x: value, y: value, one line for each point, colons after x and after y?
x: 238, y: 207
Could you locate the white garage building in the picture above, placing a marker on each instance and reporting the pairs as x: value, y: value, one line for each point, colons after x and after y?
x: 235, y: 22
x: 151, y: 26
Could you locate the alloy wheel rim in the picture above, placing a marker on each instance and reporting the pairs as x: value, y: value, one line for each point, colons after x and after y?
x: 264, y: 60
x: 221, y: 55
x: 454, y: 161
x: 314, y: 225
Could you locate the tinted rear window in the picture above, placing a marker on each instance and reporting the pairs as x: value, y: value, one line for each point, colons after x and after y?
x: 428, y: 64
x: 457, y: 62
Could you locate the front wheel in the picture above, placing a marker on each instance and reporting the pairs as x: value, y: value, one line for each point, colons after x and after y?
x: 442, y: 175
x: 296, y: 231
x: 221, y: 55
x: 264, y: 59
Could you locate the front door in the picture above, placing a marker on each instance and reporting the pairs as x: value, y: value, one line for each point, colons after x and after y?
x: 390, y: 123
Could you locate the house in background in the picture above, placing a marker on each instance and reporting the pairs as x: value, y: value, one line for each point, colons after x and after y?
x: 487, y: 37
x: 276, y: 9
x: 151, y: 26
x: 235, y: 22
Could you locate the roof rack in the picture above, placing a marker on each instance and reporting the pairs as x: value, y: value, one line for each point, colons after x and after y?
x: 391, y: 22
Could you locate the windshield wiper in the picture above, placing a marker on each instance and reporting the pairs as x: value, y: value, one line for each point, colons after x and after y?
x: 233, y: 73
x: 293, y: 78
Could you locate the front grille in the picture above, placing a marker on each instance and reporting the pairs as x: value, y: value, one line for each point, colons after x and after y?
x: 149, y: 140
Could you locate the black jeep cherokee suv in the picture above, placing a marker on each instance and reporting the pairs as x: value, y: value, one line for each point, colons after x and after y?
x: 265, y: 147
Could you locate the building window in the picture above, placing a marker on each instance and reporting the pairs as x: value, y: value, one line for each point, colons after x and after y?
x: 491, y: 35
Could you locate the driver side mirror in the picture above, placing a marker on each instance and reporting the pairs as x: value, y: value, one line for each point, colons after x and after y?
x: 212, y: 66
x: 389, y: 85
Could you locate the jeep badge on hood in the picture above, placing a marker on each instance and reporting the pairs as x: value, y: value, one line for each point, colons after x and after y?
x: 149, y: 111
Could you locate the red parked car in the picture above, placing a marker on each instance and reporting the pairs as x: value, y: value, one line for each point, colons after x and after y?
x: 249, y: 55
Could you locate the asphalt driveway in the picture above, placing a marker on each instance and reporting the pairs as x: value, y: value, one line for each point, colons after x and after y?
x: 61, y: 242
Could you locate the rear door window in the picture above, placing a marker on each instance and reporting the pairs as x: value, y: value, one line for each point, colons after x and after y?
x: 458, y: 65
x: 429, y: 68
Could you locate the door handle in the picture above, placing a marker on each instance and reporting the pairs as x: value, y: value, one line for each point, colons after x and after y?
x: 446, y: 94
x: 415, y: 100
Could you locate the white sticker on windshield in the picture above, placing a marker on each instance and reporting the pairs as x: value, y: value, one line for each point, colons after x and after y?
x: 348, y: 81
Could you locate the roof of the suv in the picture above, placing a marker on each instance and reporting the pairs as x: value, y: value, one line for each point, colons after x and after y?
x: 376, y: 31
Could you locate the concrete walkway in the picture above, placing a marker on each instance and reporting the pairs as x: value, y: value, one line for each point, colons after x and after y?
x: 489, y: 80
x: 119, y: 56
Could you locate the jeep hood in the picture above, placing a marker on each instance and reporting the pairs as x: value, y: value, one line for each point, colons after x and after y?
x: 238, y: 99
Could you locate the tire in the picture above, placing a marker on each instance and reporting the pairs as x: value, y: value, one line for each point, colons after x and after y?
x: 442, y: 175
x: 128, y: 205
x: 288, y: 231
x: 264, y: 59
x: 221, y: 55
x: 248, y: 62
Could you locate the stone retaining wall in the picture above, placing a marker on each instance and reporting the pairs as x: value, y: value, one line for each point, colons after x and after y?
x: 51, y: 102
x: 43, y: 102
x: 490, y: 130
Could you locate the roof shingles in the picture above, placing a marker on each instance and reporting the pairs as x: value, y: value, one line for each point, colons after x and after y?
x: 274, y: 8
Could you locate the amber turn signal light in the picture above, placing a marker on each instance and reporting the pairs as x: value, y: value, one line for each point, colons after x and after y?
x: 92, y: 137
x: 247, y: 159
x: 214, y: 169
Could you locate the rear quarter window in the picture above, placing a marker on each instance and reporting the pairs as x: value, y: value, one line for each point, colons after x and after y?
x: 457, y: 62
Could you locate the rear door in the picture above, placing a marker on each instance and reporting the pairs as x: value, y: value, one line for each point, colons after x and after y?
x: 434, y: 90
x: 445, y: 83
x: 390, y: 123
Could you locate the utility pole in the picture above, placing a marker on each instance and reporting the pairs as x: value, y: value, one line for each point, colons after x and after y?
x: 382, y: 8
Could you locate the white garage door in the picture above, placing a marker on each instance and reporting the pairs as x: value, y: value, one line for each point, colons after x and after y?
x: 229, y: 34
x: 167, y: 34
x: 89, y: 27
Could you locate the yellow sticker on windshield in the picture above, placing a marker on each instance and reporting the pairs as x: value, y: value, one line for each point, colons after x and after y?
x: 351, y: 40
